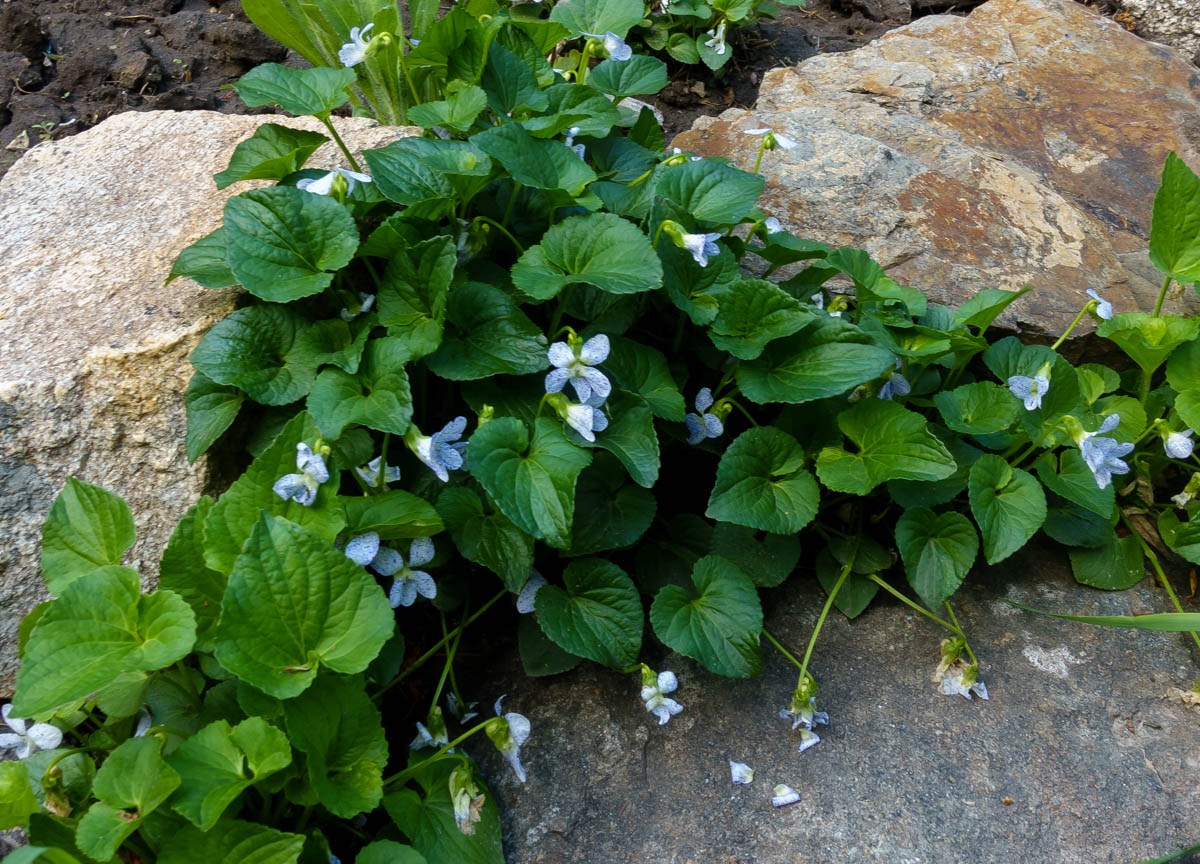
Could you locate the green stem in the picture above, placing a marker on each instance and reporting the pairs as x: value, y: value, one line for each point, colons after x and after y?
x: 424, y: 658
x: 678, y: 340
x: 450, y: 652
x: 812, y: 642
x: 1162, y: 295
x: 512, y: 202
x: 341, y: 144
x: 958, y: 627
x: 381, y: 482
x: 453, y: 680
x: 1063, y: 338
x: 738, y: 405
x: 561, y: 308
x: 413, y: 769
x: 503, y: 230
x: 762, y: 148
x: 1162, y: 577
x: 913, y: 604
x: 1024, y: 455
x: 584, y: 57
x: 782, y: 650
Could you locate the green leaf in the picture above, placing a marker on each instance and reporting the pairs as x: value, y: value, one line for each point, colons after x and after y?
x: 828, y: 358
x: 413, y: 292
x: 1113, y: 567
x: 857, y: 590
x: 539, y: 655
x: 609, y: 513
x: 335, y: 342
x: 761, y: 483
x: 488, y: 539
x: 938, y: 551
x: 1187, y: 404
x: 1175, y: 224
x: 211, y: 408
x: 768, y: 562
x: 427, y: 819
x: 131, y: 783
x: 340, y: 731
x: 709, y: 56
x: 718, y: 625
x: 17, y: 803
x: 872, y: 285
x: 682, y: 47
x: 271, y: 153
x: 510, y: 83
x: 630, y: 437
x: 637, y: 368
x: 597, y: 615
x: 404, y: 177
x: 598, y: 16
x: 389, y: 852
x: 255, y: 349
x: 297, y: 91
x: 696, y: 290
x: 532, y: 482
x: 393, y: 515
x: 533, y: 162
x: 892, y: 443
x: 205, y: 262
x: 237, y: 511
x: 1007, y: 503
x: 711, y: 191
x: 219, y: 762
x: 1182, y: 537
x: 1068, y: 476
x: 88, y: 527
x: 1147, y: 339
x: 574, y: 105
x: 600, y: 249
x: 99, y: 627
x: 978, y: 409
x: 1165, y: 622
x: 293, y: 604
x: 1183, y: 367
x: 985, y: 306
x: 457, y: 111
x: 1072, y: 525
x: 640, y: 75
x: 232, y: 842
x: 489, y: 335
x: 378, y: 397
x: 183, y: 571
x: 754, y: 312
x: 283, y: 241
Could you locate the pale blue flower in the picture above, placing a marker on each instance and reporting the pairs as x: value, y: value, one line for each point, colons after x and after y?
x: 702, y: 246
x: 804, y: 716
x: 525, y: 600
x: 323, y: 185
x: 614, y: 45
x: 895, y: 385
x: 772, y: 225
x: 408, y: 582
x: 808, y: 738
x: 370, y: 472
x: 1102, y: 455
x: 365, y: 302
x: 1178, y: 445
x: 577, y: 149
x: 509, y: 738
x: 741, y: 773
x: 442, y: 451
x: 366, y: 551
x: 657, y: 703
x: 783, y: 795
x: 144, y: 722
x: 703, y: 425
x: 1103, y: 307
x: 586, y: 418
x: 26, y: 740
x: 772, y: 139
x: 462, y: 713
x: 355, y: 51
x: 1029, y: 390
x: 577, y: 368
x: 302, y: 487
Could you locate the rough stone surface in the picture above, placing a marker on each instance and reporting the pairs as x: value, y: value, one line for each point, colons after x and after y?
x: 1083, y: 755
x: 93, y: 347
x: 1019, y: 145
x: 1175, y: 22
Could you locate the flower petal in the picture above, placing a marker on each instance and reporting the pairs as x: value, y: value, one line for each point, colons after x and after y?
x: 695, y: 428
x: 783, y: 795
x: 420, y: 552
x: 14, y: 723
x: 10, y: 740
x: 518, y: 726
x: 560, y: 354
x: 526, y: 599
x: 426, y: 587
x: 667, y: 682
x: 704, y: 400
x: 741, y: 773
x: 403, y: 593
x: 387, y: 561
x: 595, y: 350
x: 556, y: 379
x: 808, y: 738
x: 363, y: 548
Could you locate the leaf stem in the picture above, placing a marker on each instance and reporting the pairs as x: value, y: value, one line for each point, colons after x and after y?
x: 503, y: 230
x: 341, y: 144
x: 1162, y: 295
x: 966, y: 644
x: 1063, y: 338
x: 413, y: 769
x: 782, y: 650
x: 448, y: 668
x: 913, y: 604
x: 563, y: 299
x: 812, y: 641
x: 512, y: 201
x: 762, y: 148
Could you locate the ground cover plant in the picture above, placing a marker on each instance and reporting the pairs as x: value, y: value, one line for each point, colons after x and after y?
x: 524, y: 359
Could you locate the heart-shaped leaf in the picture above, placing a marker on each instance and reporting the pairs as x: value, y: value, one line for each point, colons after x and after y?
x: 1007, y: 503
x: 761, y: 483
x: 600, y: 249
x: 378, y: 397
x: 938, y: 551
x: 88, y: 527
x: 297, y: 91
x: 597, y: 614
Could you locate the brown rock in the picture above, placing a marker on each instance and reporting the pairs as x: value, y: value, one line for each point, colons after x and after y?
x: 93, y: 346
x: 1020, y: 145
x: 1175, y: 22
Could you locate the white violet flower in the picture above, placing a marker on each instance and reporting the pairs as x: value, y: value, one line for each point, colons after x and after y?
x: 575, y: 365
x: 1178, y: 445
x: 742, y: 773
x: 783, y: 795
x: 961, y: 680
x: 1103, y: 307
x: 370, y: 472
x: 302, y: 487
x: 26, y: 740
x: 365, y: 302
x: 441, y: 451
x: 408, y: 582
x: 818, y: 300
x: 355, y: 51
x: 614, y: 45
x: 654, y: 692
x: 586, y: 418
x: 144, y: 722
x: 1181, y: 500
x: 577, y: 149
x: 703, y: 425
x: 323, y: 185
x: 1029, y: 390
x: 717, y: 42
x: 525, y: 600
x: 509, y: 736
x: 773, y: 140
x: 1102, y: 455
x: 772, y: 225
x: 702, y: 246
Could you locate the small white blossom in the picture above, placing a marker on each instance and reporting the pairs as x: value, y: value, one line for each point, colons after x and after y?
x: 525, y: 600
x: 804, y: 716
x: 717, y: 42
x: 302, y: 487
x: 1103, y: 307
x: 702, y: 246
x: 586, y: 418
x: 577, y: 368
x: 323, y: 185
x: 442, y: 451
x: 742, y: 773
x: 1181, y: 500
x: 370, y: 472
x: 408, y: 582
x: 953, y: 682
x: 614, y: 45
x: 657, y: 703
x: 510, y: 737
x: 144, y: 722
x: 26, y: 740
x: 1029, y: 390
x: 355, y: 51
x: 365, y: 302
x: 1102, y: 455
x: 1178, y: 445
x: 808, y: 738
x: 703, y: 425
x: 772, y: 225
x: 783, y: 795
x: 818, y: 300
x: 772, y: 139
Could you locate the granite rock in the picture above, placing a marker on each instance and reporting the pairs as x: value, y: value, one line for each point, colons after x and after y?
x: 93, y: 346
x: 1085, y: 753
x: 1019, y: 145
x: 1175, y: 22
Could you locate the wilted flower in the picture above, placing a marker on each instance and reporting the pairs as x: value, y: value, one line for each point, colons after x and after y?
x: 654, y: 690
x: 355, y: 51
x: 1030, y: 390
x: 323, y: 185
x: 462, y: 713
x: 441, y: 451
x: 1103, y: 307
x: 302, y: 487
x: 465, y: 798
x: 365, y: 302
x: 574, y: 362
x: 783, y: 795
x: 525, y: 600
x: 370, y: 472
x: 1178, y: 445
x: 773, y: 140
x: 614, y: 45
x: 1181, y: 500
x: 741, y: 772
x: 802, y: 711
x: 1102, y: 455
x: 703, y: 425
x: 717, y: 42
x: 509, y: 732
x: 431, y: 733
x: 25, y: 740
x: 963, y: 681
x: 408, y: 582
